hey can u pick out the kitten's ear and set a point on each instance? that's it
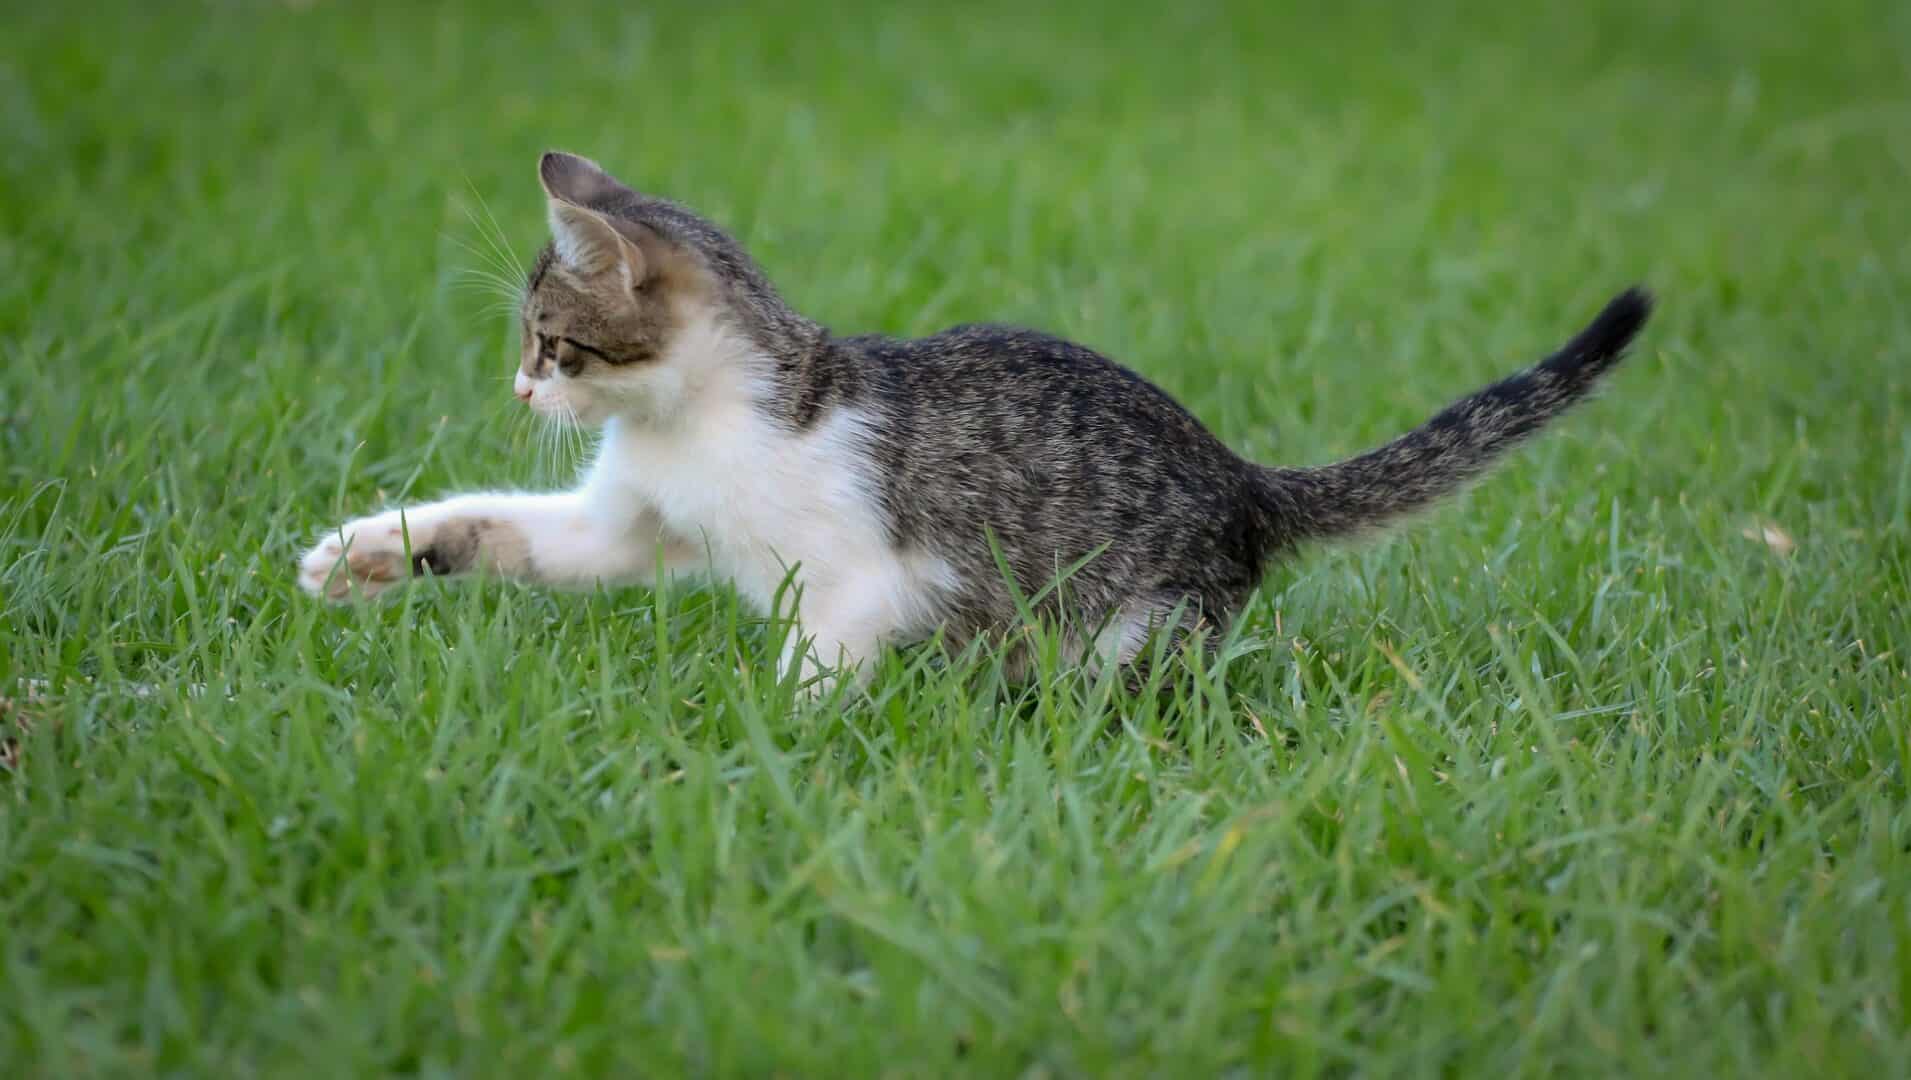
(589, 243)
(576, 180)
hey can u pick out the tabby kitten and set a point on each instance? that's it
(744, 440)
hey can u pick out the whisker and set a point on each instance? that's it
(498, 306)
(487, 266)
(490, 302)
(485, 281)
(489, 259)
(490, 269)
(501, 242)
(578, 440)
(541, 458)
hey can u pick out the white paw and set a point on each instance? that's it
(374, 558)
(816, 680)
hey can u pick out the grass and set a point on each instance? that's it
(1571, 778)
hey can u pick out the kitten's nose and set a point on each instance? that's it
(521, 386)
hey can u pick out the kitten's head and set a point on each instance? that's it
(628, 311)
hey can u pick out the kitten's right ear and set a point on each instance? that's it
(576, 180)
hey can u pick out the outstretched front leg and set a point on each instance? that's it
(564, 540)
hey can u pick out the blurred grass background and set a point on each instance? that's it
(1573, 777)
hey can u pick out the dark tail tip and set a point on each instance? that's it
(1601, 343)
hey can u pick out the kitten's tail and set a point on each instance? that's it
(1462, 442)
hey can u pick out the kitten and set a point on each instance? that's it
(744, 440)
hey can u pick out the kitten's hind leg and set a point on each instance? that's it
(1123, 638)
(1127, 640)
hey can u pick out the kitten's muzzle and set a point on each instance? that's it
(522, 387)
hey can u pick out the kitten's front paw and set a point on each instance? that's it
(374, 558)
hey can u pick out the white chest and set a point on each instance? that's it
(758, 499)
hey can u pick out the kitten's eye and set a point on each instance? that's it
(581, 347)
(566, 354)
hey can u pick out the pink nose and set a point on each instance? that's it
(521, 386)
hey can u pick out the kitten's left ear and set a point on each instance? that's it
(587, 242)
(590, 244)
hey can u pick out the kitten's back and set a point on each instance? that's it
(1058, 452)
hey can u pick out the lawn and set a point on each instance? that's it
(1601, 769)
